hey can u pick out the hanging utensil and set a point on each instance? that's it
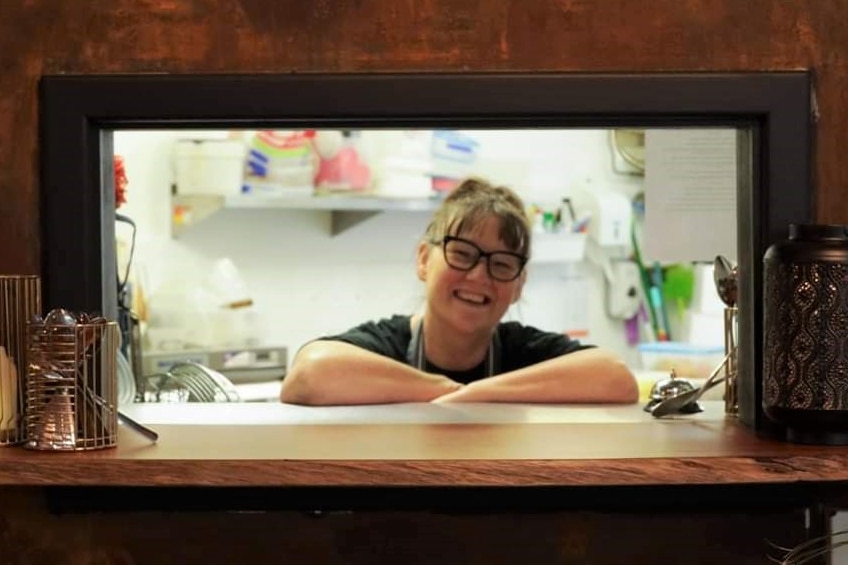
(726, 279)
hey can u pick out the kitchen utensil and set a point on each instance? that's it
(203, 383)
(138, 427)
(725, 275)
(52, 424)
(124, 419)
(60, 317)
(126, 380)
(673, 404)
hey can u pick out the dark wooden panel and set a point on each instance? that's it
(66, 36)
(30, 534)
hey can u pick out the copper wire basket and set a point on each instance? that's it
(20, 300)
(72, 384)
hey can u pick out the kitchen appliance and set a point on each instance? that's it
(255, 372)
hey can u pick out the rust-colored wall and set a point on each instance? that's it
(100, 36)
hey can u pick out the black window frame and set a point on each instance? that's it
(79, 112)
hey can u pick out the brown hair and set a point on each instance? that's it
(471, 203)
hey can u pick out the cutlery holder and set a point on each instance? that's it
(72, 386)
(20, 300)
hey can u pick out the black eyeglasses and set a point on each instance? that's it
(463, 255)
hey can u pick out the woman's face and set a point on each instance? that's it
(469, 301)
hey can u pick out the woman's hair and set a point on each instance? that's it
(471, 203)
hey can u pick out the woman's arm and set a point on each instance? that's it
(586, 376)
(333, 372)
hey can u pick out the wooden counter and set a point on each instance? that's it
(273, 445)
(418, 483)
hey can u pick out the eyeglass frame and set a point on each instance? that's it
(487, 255)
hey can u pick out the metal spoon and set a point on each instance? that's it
(674, 403)
(60, 317)
(100, 402)
(726, 280)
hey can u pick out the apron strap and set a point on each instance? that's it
(415, 351)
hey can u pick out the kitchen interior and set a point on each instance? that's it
(236, 247)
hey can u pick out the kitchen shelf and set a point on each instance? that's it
(347, 210)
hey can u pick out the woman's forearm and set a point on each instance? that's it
(333, 373)
(587, 376)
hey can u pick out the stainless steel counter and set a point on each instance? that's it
(411, 413)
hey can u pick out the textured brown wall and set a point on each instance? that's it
(177, 36)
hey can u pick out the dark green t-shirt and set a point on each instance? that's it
(521, 345)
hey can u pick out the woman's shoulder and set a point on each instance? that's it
(386, 336)
(397, 322)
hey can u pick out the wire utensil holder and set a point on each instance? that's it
(20, 300)
(72, 384)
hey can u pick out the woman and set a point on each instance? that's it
(471, 260)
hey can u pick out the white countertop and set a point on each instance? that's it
(264, 413)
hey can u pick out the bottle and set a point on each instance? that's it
(805, 334)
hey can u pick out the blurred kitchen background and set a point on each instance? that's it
(237, 247)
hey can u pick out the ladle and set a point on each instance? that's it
(673, 404)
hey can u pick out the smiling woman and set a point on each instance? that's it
(456, 349)
(770, 111)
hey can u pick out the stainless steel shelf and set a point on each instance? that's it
(347, 210)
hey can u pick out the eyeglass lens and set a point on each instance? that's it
(464, 255)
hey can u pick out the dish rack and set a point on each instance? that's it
(187, 381)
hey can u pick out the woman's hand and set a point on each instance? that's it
(454, 396)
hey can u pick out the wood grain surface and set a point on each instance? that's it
(708, 453)
(285, 36)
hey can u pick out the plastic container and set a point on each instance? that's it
(558, 247)
(208, 166)
(453, 156)
(279, 163)
(688, 360)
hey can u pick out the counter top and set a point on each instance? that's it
(428, 445)
(275, 413)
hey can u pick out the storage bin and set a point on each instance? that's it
(688, 360)
(209, 166)
(558, 248)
